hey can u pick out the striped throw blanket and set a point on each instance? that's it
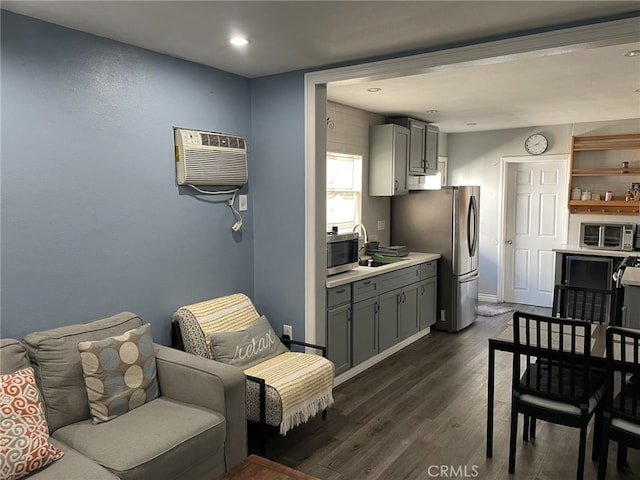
(304, 383)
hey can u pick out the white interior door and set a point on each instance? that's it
(536, 203)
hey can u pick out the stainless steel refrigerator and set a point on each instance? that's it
(446, 222)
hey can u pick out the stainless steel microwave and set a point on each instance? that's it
(607, 236)
(342, 252)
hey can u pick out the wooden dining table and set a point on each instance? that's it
(504, 342)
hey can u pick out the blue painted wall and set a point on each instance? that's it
(92, 222)
(279, 192)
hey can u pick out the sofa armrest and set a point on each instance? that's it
(209, 384)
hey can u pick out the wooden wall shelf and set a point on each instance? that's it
(603, 143)
(604, 172)
(606, 142)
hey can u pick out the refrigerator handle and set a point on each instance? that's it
(471, 278)
(472, 226)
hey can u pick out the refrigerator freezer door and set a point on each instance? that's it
(467, 301)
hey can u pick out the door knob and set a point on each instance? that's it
(509, 242)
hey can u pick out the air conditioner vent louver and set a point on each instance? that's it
(204, 158)
(217, 140)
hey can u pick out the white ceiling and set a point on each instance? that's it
(588, 85)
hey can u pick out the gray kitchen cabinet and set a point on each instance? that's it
(339, 327)
(388, 319)
(398, 317)
(409, 311)
(423, 146)
(428, 294)
(428, 299)
(398, 314)
(388, 156)
(368, 316)
(365, 330)
(364, 322)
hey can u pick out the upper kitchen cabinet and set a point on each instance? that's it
(388, 156)
(423, 146)
(605, 163)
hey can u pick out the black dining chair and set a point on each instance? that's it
(558, 384)
(621, 415)
(581, 303)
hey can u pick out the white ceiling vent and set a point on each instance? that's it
(207, 158)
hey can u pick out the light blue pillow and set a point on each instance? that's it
(246, 348)
(119, 373)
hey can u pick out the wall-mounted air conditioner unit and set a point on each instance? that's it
(207, 158)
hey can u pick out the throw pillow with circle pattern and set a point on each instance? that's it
(119, 373)
(24, 434)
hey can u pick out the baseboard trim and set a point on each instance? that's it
(352, 372)
(487, 298)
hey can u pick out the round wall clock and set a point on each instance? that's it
(536, 144)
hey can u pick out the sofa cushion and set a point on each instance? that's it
(24, 435)
(155, 440)
(246, 348)
(119, 373)
(13, 356)
(56, 362)
(72, 466)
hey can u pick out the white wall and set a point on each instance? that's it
(350, 135)
(474, 159)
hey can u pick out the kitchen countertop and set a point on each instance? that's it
(592, 251)
(631, 277)
(360, 272)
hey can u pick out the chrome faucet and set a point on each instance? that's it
(364, 230)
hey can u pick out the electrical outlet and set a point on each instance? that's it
(381, 225)
(242, 203)
(287, 331)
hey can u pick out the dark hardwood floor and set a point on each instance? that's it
(421, 414)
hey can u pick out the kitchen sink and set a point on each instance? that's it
(380, 261)
(374, 263)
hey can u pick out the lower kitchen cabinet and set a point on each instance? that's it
(428, 294)
(399, 315)
(428, 299)
(366, 317)
(409, 311)
(339, 327)
(388, 319)
(364, 324)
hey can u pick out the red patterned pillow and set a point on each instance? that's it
(24, 434)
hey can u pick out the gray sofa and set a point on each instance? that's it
(195, 429)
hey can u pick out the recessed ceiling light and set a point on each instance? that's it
(238, 41)
(374, 89)
(632, 53)
(433, 112)
(471, 124)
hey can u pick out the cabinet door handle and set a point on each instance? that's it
(395, 184)
(340, 291)
(398, 298)
(367, 282)
(422, 288)
(404, 297)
